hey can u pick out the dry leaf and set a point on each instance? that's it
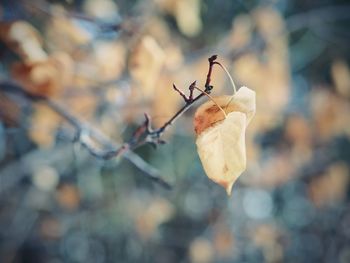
(165, 101)
(64, 34)
(23, 39)
(44, 78)
(44, 124)
(221, 139)
(341, 77)
(201, 250)
(102, 9)
(186, 13)
(222, 150)
(271, 78)
(109, 59)
(146, 63)
(209, 113)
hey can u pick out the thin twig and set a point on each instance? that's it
(153, 136)
(144, 133)
(85, 131)
(213, 100)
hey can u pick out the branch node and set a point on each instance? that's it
(212, 58)
(147, 123)
(209, 88)
(191, 88)
(89, 137)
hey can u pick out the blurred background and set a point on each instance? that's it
(107, 63)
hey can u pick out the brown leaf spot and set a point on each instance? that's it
(225, 169)
(212, 109)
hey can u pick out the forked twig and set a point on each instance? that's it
(143, 134)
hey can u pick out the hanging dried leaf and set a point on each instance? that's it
(209, 114)
(221, 139)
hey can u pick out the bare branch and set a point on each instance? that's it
(143, 134)
(153, 137)
(85, 133)
(180, 93)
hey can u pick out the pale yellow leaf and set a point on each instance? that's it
(221, 139)
(209, 113)
(221, 149)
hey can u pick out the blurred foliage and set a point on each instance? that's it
(109, 62)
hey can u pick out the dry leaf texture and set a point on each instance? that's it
(221, 139)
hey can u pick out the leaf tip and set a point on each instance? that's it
(229, 189)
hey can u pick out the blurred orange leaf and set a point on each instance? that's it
(146, 63)
(44, 78)
(23, 39)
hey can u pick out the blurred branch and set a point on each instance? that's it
(86, 134)
(317, 16)
(145, 134)
(85, 131)
(112, 27)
